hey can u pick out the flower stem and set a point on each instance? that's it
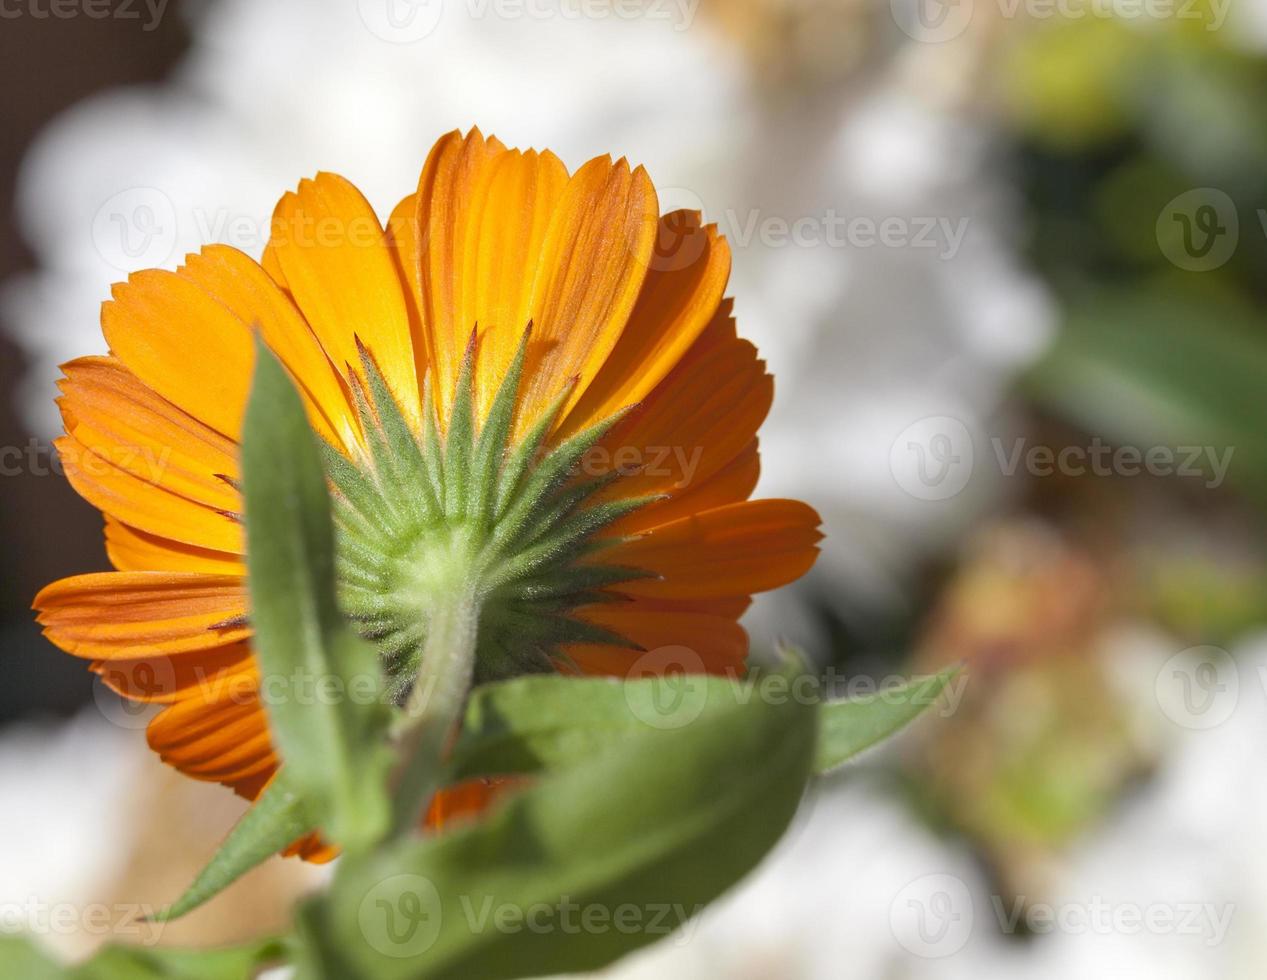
(435, 705)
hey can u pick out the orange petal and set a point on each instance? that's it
(467, 799)
(447, 198)
(132, 550)
(593, 263)
(679, 297)
(697, 421)
(111, 413)
(218, 735)
(182, 342)
(511, 217)
(140, 614)
(733, 483)
(402, 242)
(239, 283)
(163, 680)
(333, 254)
(146, 505)
(738, 549)
(719, 643)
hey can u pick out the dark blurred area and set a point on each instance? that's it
(46, 65)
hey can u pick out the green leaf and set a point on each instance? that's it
(21, 957)
(1165, 366)
(278, 818)
(320, 682)
(849, 727)
(643, 832)
(537, 723)
(540, 721)
(142, 963)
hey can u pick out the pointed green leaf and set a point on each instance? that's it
(459, 444)
(495, 436)
(656, 825)
(320, 683)
(173, 963)
(848, 727)
(22, 959)
(277, 819)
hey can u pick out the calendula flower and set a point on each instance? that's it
(529, 386)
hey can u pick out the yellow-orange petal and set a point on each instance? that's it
(339, 268)
(719, 643)
(146, 505)
(105, 615)
(738, 549)
(132, 550)
(217, 736)
(696, 422)
(242, 286)
(511, 216)
(593, 263)
(108, 411)
(679, 297)
(402, 243)
(182, 342)
(732, 483)
(445, 200)
(168, 678)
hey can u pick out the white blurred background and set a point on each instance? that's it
(959, 236)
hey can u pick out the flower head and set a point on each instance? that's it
(529, 387)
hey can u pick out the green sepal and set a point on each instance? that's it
(278, 818)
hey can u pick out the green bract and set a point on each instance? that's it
(425, 517)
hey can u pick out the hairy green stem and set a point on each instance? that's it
(435, 705)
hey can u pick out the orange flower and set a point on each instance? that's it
(628, 328)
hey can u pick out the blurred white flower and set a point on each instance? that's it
(272, 92)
